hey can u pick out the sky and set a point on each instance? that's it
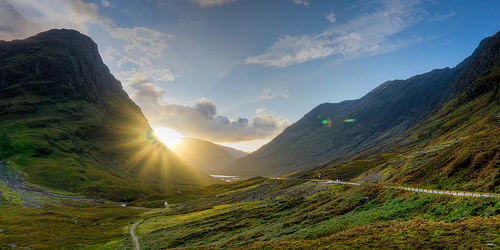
(240, 71)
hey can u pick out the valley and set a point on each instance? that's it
(413, 164)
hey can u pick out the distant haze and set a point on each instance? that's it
(206, 156)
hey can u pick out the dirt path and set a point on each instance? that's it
(137, 246)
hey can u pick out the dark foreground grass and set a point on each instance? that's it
(369, 214)
(74, 226)
(476, 233)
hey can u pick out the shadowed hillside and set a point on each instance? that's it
(368, 125)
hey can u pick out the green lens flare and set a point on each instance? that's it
(324, 121)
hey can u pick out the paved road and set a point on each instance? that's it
(134, 238)
(421, 190)
(455, 193)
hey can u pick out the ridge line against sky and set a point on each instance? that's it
(201, 66)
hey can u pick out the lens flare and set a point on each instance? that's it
(168, 136)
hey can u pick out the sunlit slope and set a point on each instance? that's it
(205, 155)
(66, 122)
(368, 125)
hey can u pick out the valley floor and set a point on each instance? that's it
(262, 213)
(295, 214)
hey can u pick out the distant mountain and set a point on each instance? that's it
(67, 124)
(206, 156)
(235, 152)
(342, 131)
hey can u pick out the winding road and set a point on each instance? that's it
(137, 246)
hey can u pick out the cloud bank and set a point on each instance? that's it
(371, 33)
(201, 120)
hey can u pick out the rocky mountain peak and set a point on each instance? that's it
(67, 59)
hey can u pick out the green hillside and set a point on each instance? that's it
(67, 124)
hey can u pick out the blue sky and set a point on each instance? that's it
(240, 71)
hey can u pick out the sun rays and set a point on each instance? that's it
(168, 136)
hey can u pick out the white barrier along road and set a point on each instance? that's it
(421, 190)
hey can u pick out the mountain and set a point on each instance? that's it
(206, 156)
(234, 152)
(375, 123)
(67, 124)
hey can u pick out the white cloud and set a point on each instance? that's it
(107, 4)
(144, 91)
(439, 18)
(272, 93)
(210, 3)
(142, 49)
(368, 34)
(13, 25)
(305, 3)
(75, 14)
(201, 119)
(331, 17)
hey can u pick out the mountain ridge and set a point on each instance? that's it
(367, 123)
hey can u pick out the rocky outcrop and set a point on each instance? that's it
(67, 59)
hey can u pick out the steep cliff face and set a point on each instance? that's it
(472, 70)
(69, 60)
(344, 130)
(72, 127)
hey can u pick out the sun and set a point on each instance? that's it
(168, 136)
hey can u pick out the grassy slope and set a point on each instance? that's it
(301, 214)
(73, 226)
(261, 214)
(458, 148)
